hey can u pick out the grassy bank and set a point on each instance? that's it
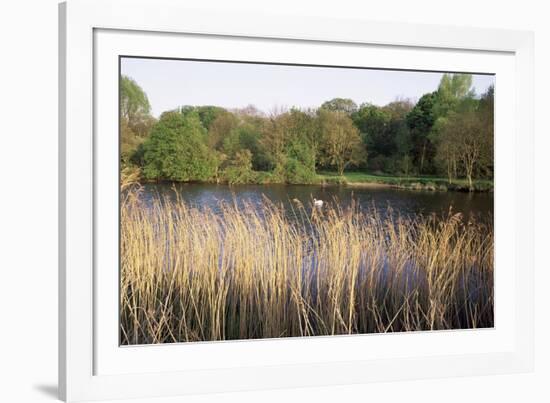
(192, 275)
(415, 183)
(429, 183)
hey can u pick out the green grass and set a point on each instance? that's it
(415, 182)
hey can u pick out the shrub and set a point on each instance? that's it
(177, 150)
(240, 168)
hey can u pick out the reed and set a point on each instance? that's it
(190, 274)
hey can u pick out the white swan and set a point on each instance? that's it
(317, 203)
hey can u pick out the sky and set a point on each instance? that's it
(173, 83)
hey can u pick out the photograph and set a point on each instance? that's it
(269, 200)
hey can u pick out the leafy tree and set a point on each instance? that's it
(220, 128)
(454, 102)
(303, 137)
(135, 118)
(453, 88)
(385, 133)
(454, 92)
(207, 113)
(299, 164)
(341, 142)
(420, 121)
(133, 100)
(176, 150)
(274, 140)
(447, 131)
(398, 111)
(373, 123)
(345, 105)
(466, 139)
(291, 142)
(486, 110)
(399, 108)
(239, 169)
(250, 132)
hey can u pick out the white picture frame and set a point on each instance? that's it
(94, 33)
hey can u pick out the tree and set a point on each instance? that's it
(176, 149)
(453, 88)
(133, 100)
(341, 143)
(299, 164)
(239, 169)
(274, 140)
(420, 121)
(291, 142)
(463, 130)
(486, 110)
(250, 137)
(385, 134)
(447, 154)
(220, 128)
(466, 141)
(373, 123)
(303, 137)
(398, 111)
(135, 118)
(345, 105)
(207, 113)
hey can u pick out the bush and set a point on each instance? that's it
(177, 150)
(240, 169)
(297, 173)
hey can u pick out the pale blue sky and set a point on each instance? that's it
(173, 83)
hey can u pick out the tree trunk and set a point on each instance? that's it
(469, 176)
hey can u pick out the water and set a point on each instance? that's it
(403, 202)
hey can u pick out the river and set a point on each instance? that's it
(403, 202)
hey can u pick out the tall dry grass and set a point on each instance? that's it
(190, 274)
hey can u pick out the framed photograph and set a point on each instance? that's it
(267, 202)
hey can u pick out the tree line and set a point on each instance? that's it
(448, 132)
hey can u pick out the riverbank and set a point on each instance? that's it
(428, 183)
(352, 179)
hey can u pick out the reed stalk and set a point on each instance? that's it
(190, 274)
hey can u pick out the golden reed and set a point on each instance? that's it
(247, 272)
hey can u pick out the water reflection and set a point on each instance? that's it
(397, 201)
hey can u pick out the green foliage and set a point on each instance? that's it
(341, 142)
(385, 134)
(345, 105)
(177, 150)
(373, 123)
(133, 100)
(135, 119)
(240, 168)
(129, 142)
(290, 141)
(299, 166)
(420, 121)
(207, 114)
(447, 133)
(452, 89)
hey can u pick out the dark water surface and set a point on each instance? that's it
(403, 202)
